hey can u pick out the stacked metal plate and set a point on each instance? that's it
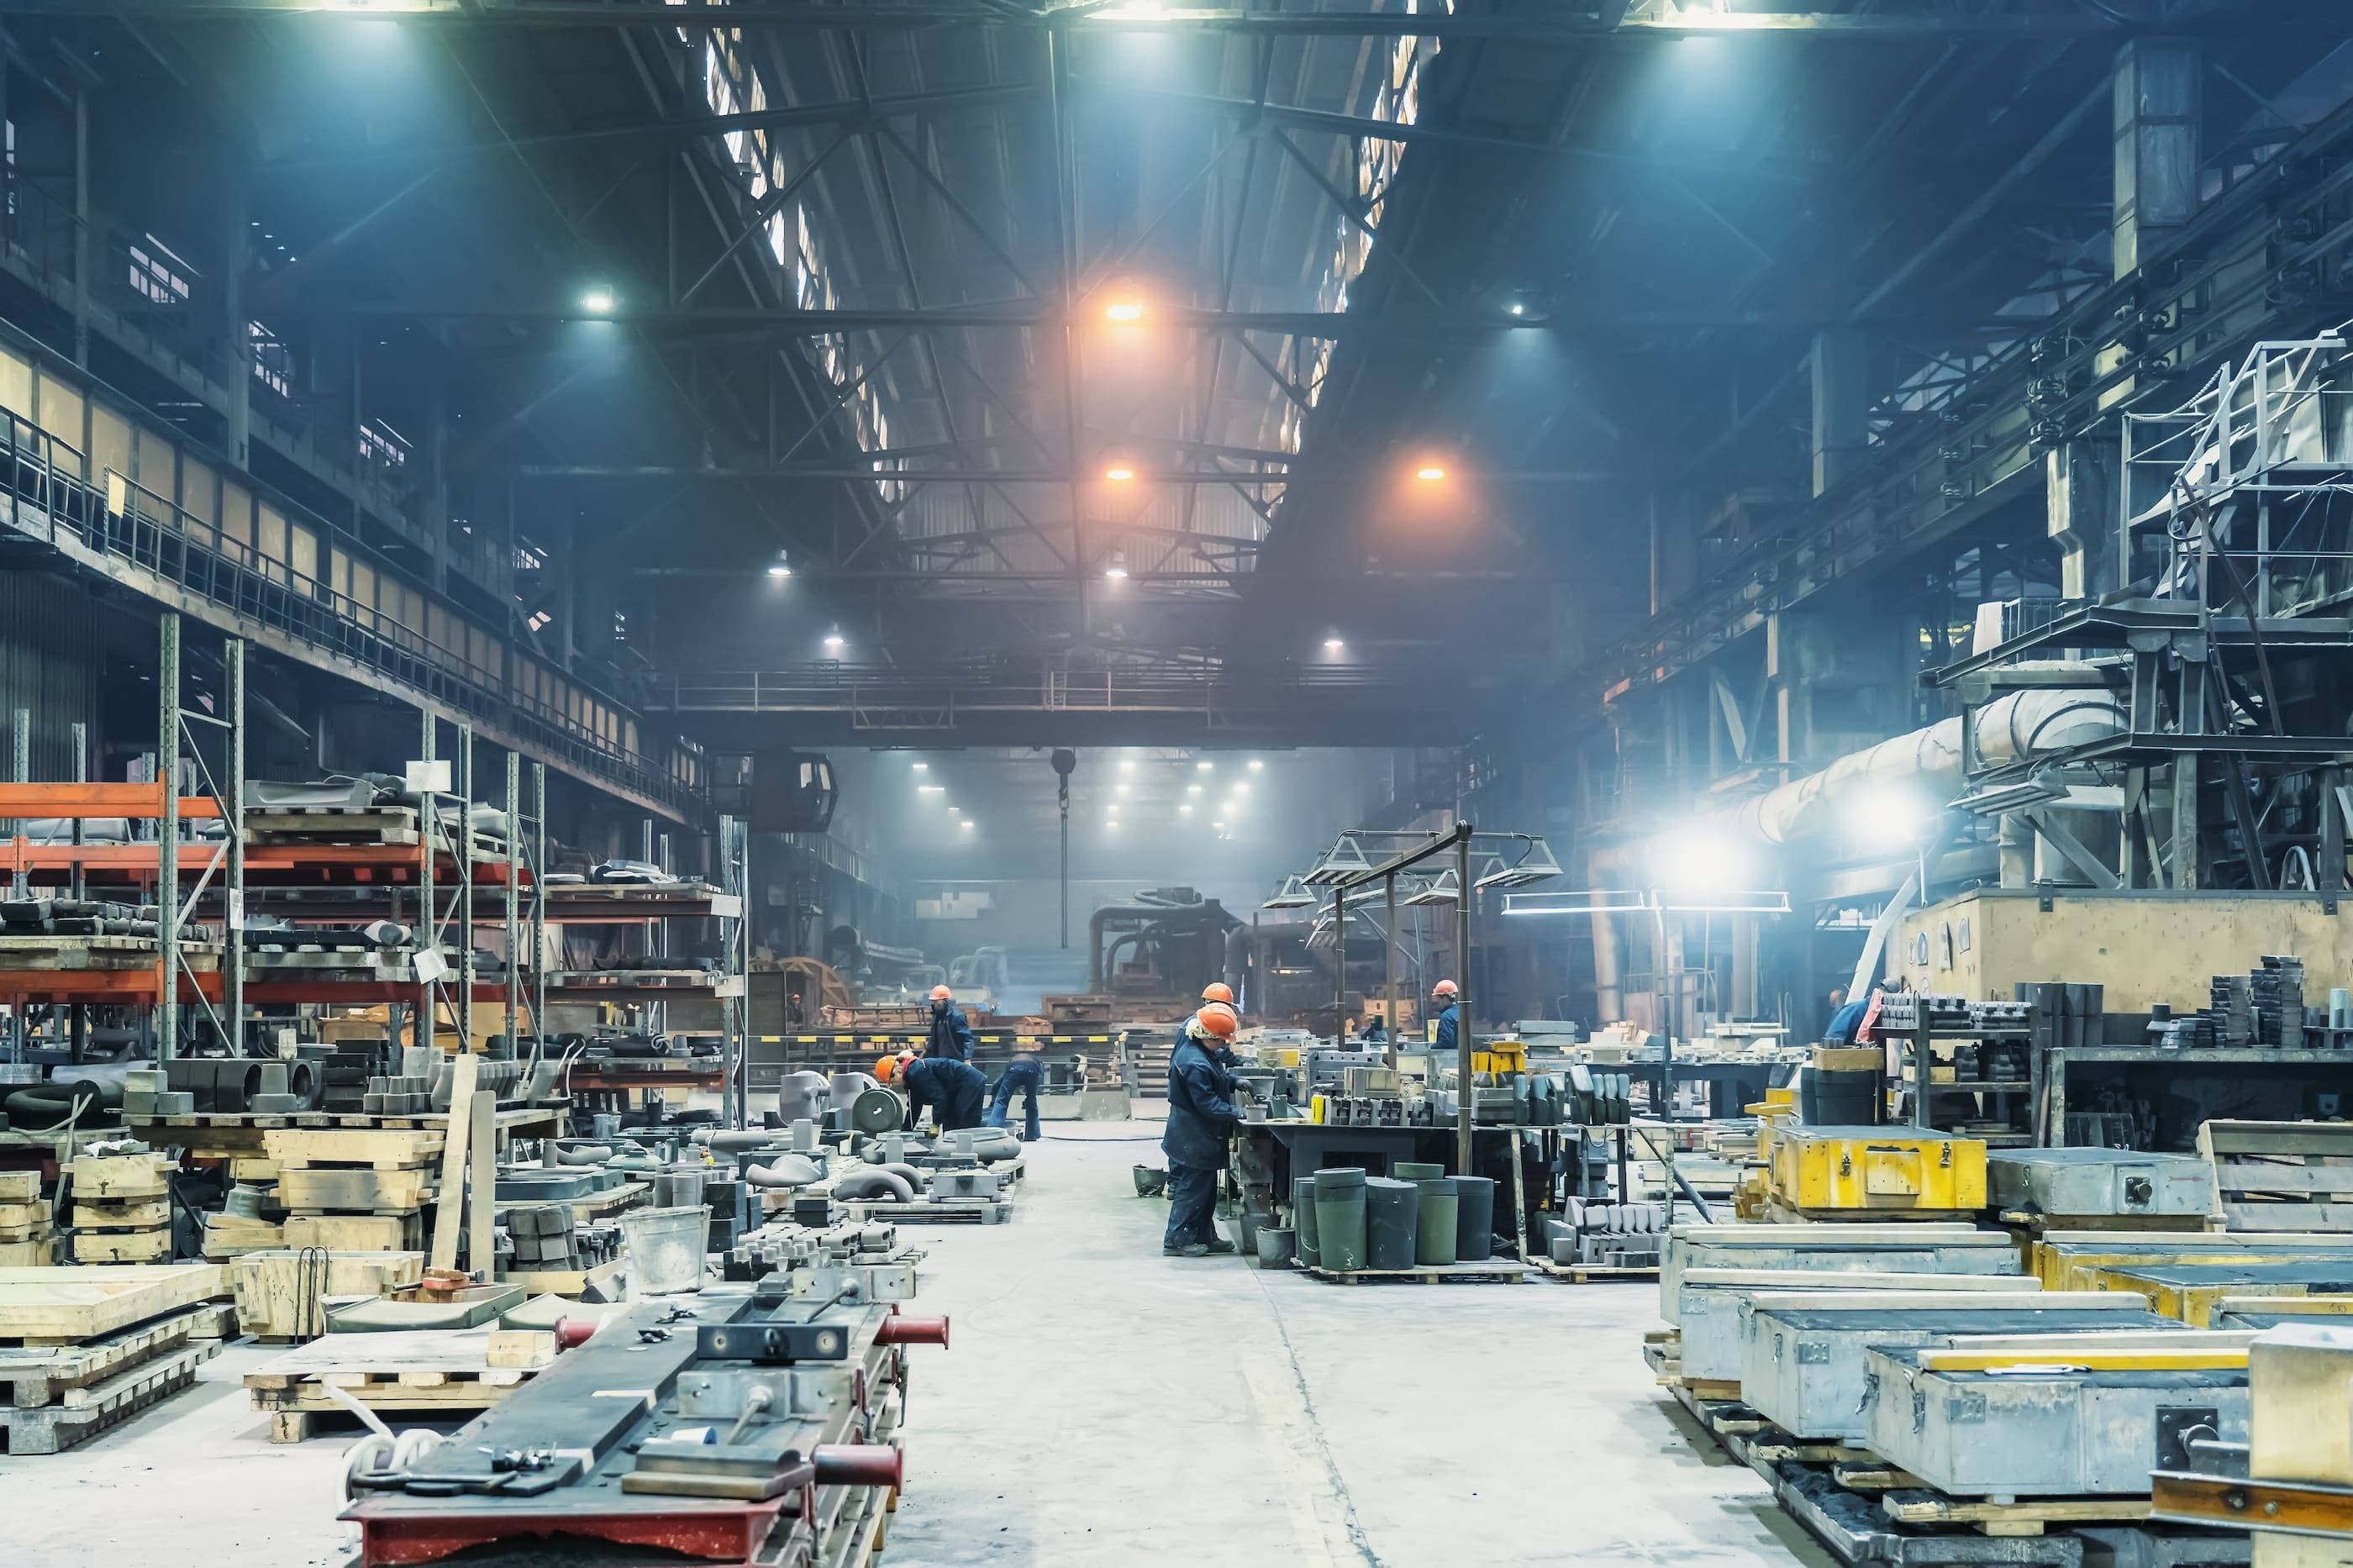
(2053, 1416)
(1877, 1248)
(1711, 1301)
(1804, 1353)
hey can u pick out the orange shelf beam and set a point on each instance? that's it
(142, 801)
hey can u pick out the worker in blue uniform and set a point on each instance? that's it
(952, 1038)
(954, 1091)
(1450, 1017)
(1025, 1073)
(1201, 1115)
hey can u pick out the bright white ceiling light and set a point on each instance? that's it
(1204, 765)
(922, 767)
(1184, 810)
(1334, 645)
(1192, 789)
(598, 302)
(833, 642)
(1257, 765)
(931, 789)
(1127, 764)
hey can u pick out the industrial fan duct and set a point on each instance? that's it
(2018, 728)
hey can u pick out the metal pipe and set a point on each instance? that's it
(860, 1464)
(1388, 969)
(429, 915)
(906, 1328)
(167, 843)
(233, 819)
(465, 851)
(1463, 994)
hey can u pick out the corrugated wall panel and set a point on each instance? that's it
(49, 664)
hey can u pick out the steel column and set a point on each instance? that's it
(232, 811)
(167, 838)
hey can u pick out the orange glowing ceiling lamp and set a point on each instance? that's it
(1126, 311)
(1119, 473)
(1430, 473)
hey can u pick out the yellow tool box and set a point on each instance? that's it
(2073, 1259)
(1829, 1172)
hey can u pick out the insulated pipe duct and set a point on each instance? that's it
(2016, 728)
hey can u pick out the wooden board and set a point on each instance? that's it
(20, 1187)
(2029, 1516)
(1593, 1273)
(52, 1428)
(35, 1375)
(281, 1295)
(70, 1305)
(449, 1215)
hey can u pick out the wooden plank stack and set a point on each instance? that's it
(27, 1228)
(121, 1207)
(83, 1348)
(355, 1189)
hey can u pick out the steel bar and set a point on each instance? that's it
(1031, 476)
(232, 806)
(167, 835)
(514, 904)
(1463, 992)
(465, 850)
(429, 915)
(539, 903)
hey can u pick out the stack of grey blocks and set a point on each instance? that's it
(398, 1096)
(544, 1235)
(1628, 1234)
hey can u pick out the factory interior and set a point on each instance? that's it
(1416, 781)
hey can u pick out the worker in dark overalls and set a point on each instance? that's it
(1025, 1073)
(953, 1090)
(1201, 1115)
(952, 1038)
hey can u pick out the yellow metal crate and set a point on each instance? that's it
(1835, 1170)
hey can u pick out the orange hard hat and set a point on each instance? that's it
(1217, 991)
(942, 994)
(1445, 988)
(1219, 1020)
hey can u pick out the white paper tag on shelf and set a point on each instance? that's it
(236, 910)
(430, 966)
(421, 776)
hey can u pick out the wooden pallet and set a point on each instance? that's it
(948, 1210)
(123, 1246)
(132, 1213)
(1593, 1273)
(38, 1375)
(431, 1372)
(59, 954)
(326, 1189)
(2280, 1175)
(379, 825)
(55, 1428)
(1502, 1271)
(67, 1305)
(398, 1232)
(2027, 1516)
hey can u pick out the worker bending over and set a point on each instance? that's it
(1023, 1072)
(1450, 1019)
(952, 1088)
(952, 1038)
(1200, 1115)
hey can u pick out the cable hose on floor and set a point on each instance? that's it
(384, 1458)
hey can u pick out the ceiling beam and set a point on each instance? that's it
(852, 115)
(1040, 475)
(1662, 20)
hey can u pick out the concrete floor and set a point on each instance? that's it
(1103, 1405)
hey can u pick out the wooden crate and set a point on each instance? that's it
(123, 1246)
(135, 1214)
(377, 1148)
(341, 1190)
(20, 1187)
(282, 1294)
(115, 1178)
(403, 1232)
(2280, 1175)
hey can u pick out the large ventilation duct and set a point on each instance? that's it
(2017, 728)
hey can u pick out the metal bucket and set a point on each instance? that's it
(1275, 1245)
(665, 1248)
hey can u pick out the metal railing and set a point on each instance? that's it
(44, 497)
